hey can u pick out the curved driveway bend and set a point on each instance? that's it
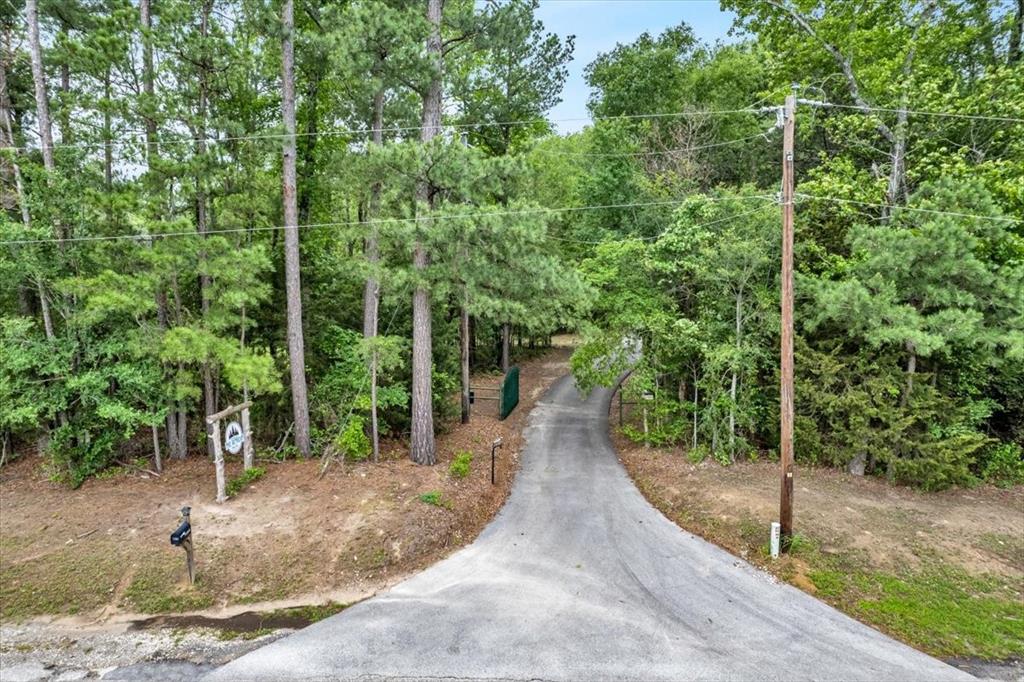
(579, 578)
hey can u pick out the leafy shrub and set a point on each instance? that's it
(352, 442)
(1004, 465)
(459, 468)
(235, 485)
(435, 499)
(698, 454)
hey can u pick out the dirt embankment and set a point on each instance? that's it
(102, 551)
(944, 572)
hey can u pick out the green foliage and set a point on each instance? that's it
(944, 612)
(1004, 465)
(459, 468)
(239, 483)
(352, 442)
(435, 499)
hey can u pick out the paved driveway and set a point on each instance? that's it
(579, 578)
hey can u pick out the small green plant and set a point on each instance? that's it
(459, 468)
(435, 499)
(1005, 465)
(352, 442)
(698, 454)
(235, 485)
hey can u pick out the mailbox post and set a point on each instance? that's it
(182, 537)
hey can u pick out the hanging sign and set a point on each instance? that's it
(233, 438)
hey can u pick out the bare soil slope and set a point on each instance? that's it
(291, 537)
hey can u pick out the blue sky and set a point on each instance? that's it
(599, 24)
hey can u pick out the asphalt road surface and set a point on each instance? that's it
(579, 578)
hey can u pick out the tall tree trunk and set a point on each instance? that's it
(293, 284)
(42, 103)
(174, 449)
(66, 134)
(735, 379)
(696, 404)
(202, 223)
(423, 449)
(911, 370)
(108, 149)
(464, 359)
(371, 292)
(506, 335)
(7, 140)
(46, 142)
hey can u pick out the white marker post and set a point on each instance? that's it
(776, 535)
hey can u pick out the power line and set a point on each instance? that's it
(394, 129)
(355, 223)
(909, 208)
(664, 232)
(942, 114)
(556, 152)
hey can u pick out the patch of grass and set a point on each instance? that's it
(67, 581)
(158, 588)
(459, 468)
(435, 498)
(945, 612)
(235, 485)
(246, 635)
(313, 612)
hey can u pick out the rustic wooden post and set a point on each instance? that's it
(247, 443)
(218, 460)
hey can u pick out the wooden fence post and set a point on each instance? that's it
(218, 461)
(247, 443)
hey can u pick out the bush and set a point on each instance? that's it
(1004, 465)
(435, 499)
(236, 484)
(353, 442)
(459, 468)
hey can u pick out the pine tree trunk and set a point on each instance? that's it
(735, 379)
(696, 404)
(371, 292)
(293, 284)
(7, 140)
(506, 333)
(911, 370)
(202, 224)
(108, 149)
(464, 361)
(423, 450)
(42, 103)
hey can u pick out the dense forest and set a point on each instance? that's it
(338, 208)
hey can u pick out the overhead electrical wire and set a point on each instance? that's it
(913, 112)
(908, 208)
(135, 236)
(726, 143)
(391, 129)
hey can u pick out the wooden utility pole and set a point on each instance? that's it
(786, 373)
